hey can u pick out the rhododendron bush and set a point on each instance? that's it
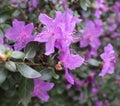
(59, 52)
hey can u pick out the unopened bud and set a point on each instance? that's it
(58, 66)
(3, 57)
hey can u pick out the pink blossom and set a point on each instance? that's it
(109, 60)
(20, 33)
(91, 35)
(70, 61)
(41, 88)
(57, 30)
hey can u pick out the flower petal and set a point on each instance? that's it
(68, 77)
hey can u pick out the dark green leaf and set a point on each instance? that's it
(2, 49)
(46, 74)
(56, 76)
(85, 4)
(27, 71)
(16, 13)
(94, 62)
(3, 18)
(3, 75)
(26, 89)
(30, 50)
(10, 66)
(18, 55)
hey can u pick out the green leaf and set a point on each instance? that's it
(16, 13)
(30, 50)
(46, 74)
(3, 49)
(3, 18)
(18, 55)
(27, 71)
(86, 13)
(94, 62)
(9, 53)
(26, 89)
(85, 4)
(88, 3)
(10, 66)
(3, 75)
(5, 27)
(1, 32)
(56, 76)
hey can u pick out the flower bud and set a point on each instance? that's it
(58, 66)
(3, 57)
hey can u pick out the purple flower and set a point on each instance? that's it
(34, 3)
(91, 35)
(64, 4)
(70, 61)
(69, 77)
(100, 8)
(116, 9)
(95, 90)
(41, 88)
(58, 33)
(20, 33)
(77, 83)
(109, 60)
(115, 35)
(100, 4)
(98, 13)
(57, 30)
(50, 34)
(98, 103)
(91, 79)
(112, 25)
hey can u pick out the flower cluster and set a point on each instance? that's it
(58, 33)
